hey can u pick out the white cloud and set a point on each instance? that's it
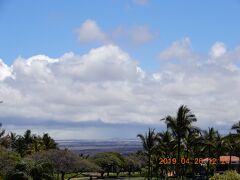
(5, 71)
(141, 34)
(179, 50)
(107, 84)
(219, 56)
(217, 50)
(136, 35)
(89, 32)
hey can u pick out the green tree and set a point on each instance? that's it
(109, 162)
(230, 144)
(48, 142)
(149, 143)
(166, 148)
(180, 126)
(210, 138)
(41, 171)
(8, 161)
(20, 146)
(236, 127)
(2, 131)
(132, 163)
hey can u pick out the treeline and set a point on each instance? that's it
(34, 157)
(184, 141)
(26, 144)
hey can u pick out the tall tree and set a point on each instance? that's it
(149, 142)
(48, 142)
(2, 131)
(230, 143)
(180, 126)
(166, 148)
(236, 127)
(210, 138)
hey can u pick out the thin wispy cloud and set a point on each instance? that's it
(91, 32)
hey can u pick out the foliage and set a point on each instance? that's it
(8, 161)
(228, 175)
(109, 162)
(149, 145)
(30, 143)
(64, 161)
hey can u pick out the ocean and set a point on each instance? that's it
(91, 147)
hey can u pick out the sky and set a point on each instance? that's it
(112, 69)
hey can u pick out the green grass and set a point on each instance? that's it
(228, 175)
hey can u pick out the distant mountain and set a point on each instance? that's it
(90, 147)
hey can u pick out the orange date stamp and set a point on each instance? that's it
(198, 161)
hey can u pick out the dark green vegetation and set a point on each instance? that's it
(228, 175)
(182, 140)
(34, 157)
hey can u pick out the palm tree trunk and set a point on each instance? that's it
(149, 166)
(208, 163)
(62, 175)
(230, 161)
(193, 165)
(178, 155)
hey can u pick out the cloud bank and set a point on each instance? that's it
(106, 84)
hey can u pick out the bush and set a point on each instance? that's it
(8, 161)
(228, 175)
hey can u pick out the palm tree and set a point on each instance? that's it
(180, 126)
(166, 143)
(28, 138)
(191, 144)
(48, 142)
(20, 146)
(236, 127)
(166, 148)
(237, 138)
(210, 137)
(149, 142)
(37, 144)
(230, 141)
(220, 146)
(2, 131)
(2, 138)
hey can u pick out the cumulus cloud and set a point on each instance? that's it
(5, 71)
(89, 32)
(219, 56)
(107, 84)
(218, 49)
(180, 50)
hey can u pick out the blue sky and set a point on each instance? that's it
(132, 61)
(47, 27)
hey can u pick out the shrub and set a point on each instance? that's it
(228, 175)
(8, 161)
